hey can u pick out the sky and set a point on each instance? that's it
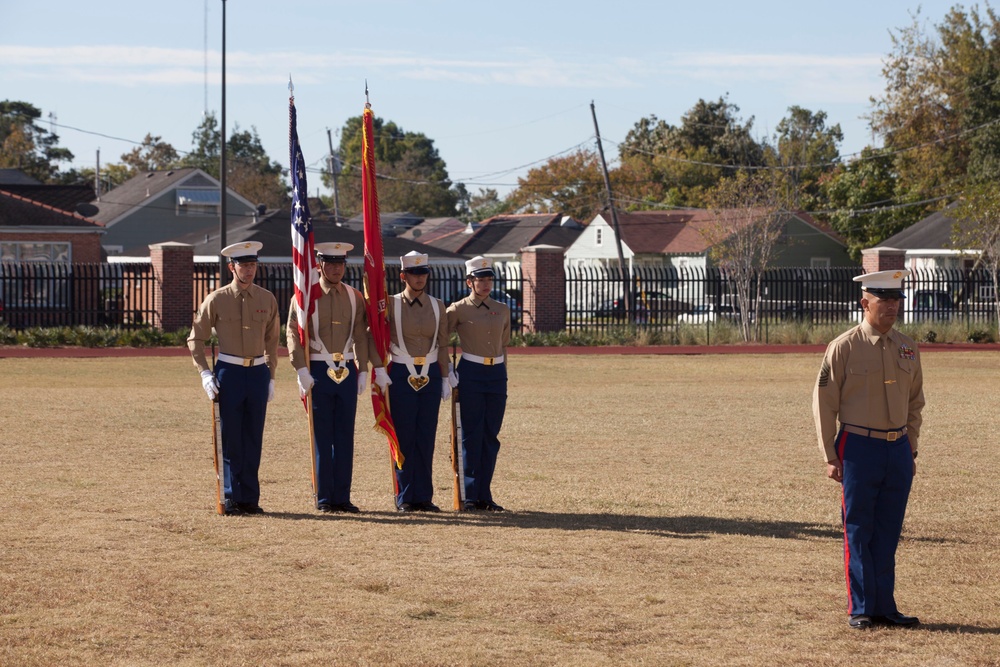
(500, 87)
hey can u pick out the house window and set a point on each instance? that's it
(819, 262)
(12, 251)
(598, 236)
(201, 202)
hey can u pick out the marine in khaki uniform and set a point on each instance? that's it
(867, 406)
(483, 326)
(336, 374)
(418, 380)
(245, 318)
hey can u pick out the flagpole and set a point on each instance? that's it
(305, 260)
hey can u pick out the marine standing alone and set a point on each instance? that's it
(245, 318)
(867, 406)
(483, 326)
(339, 346)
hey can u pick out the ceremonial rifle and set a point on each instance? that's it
(220, 507)
(457, 462)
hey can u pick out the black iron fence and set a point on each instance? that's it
(43, 294)
(666, 296)
(446, 282)
(38, 294)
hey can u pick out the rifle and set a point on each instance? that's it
(220, 484)
(457, 461)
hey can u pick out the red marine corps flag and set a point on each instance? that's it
(375, 290)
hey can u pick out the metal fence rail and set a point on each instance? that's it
(44, 294)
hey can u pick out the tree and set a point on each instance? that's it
(868, 200)
(571, 184)
(682, 163)
(939, 108)
(27, 146)
(977, 226)
(806, 149)
(475, 207)
(250, 171)
(749, 223)
(411, 174)
(152, 155)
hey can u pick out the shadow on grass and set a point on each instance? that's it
(687, 527)
(957, 628)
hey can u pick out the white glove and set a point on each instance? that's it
(270, 391)
(362, 382)
(382, 379)
(210, 384)
(305, 381)
(453, 379)
(446, 388)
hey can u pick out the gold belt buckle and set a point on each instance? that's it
(488, 361)
(419, 361)
(247, 362)
(337, 356)
(891, 436)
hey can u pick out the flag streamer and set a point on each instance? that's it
(376, 297)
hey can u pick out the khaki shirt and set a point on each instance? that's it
(483, 326)
(869, 380)
(333, 309)
(419, 331)
(246, 322)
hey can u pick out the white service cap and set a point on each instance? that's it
(243, 251)
(884, 284)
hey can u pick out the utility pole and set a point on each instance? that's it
(626, 277)
(222, 173)
(334, 166)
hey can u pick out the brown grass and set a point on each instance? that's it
(667, 511)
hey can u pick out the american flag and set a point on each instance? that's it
(306, 277)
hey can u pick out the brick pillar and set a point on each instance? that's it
(883, 259)
(544, 288)
(173, 272)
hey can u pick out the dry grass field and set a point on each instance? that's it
(667, 510)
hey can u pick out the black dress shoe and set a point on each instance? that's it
(250, 508)
(347, 507)
(470, 506)
(491, 506)
(406, 507)
(860, 622)
(325, 507)
(428, 507)
(897, 620)
(232, 509)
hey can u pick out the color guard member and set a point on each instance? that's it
(337, 374)
(867, 406)
(483, 326)
(245, 318)
(417, 379)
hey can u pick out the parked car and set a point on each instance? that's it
(648, 307)
(924, 305)
(709, 312)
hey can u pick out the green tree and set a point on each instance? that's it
(683, 163)
(153, 154)
(806, 149)
(570, 184)
(26, 145)
(250, 171)
(411, 174)
(868, 201)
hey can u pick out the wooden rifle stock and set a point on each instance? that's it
(220, 484)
